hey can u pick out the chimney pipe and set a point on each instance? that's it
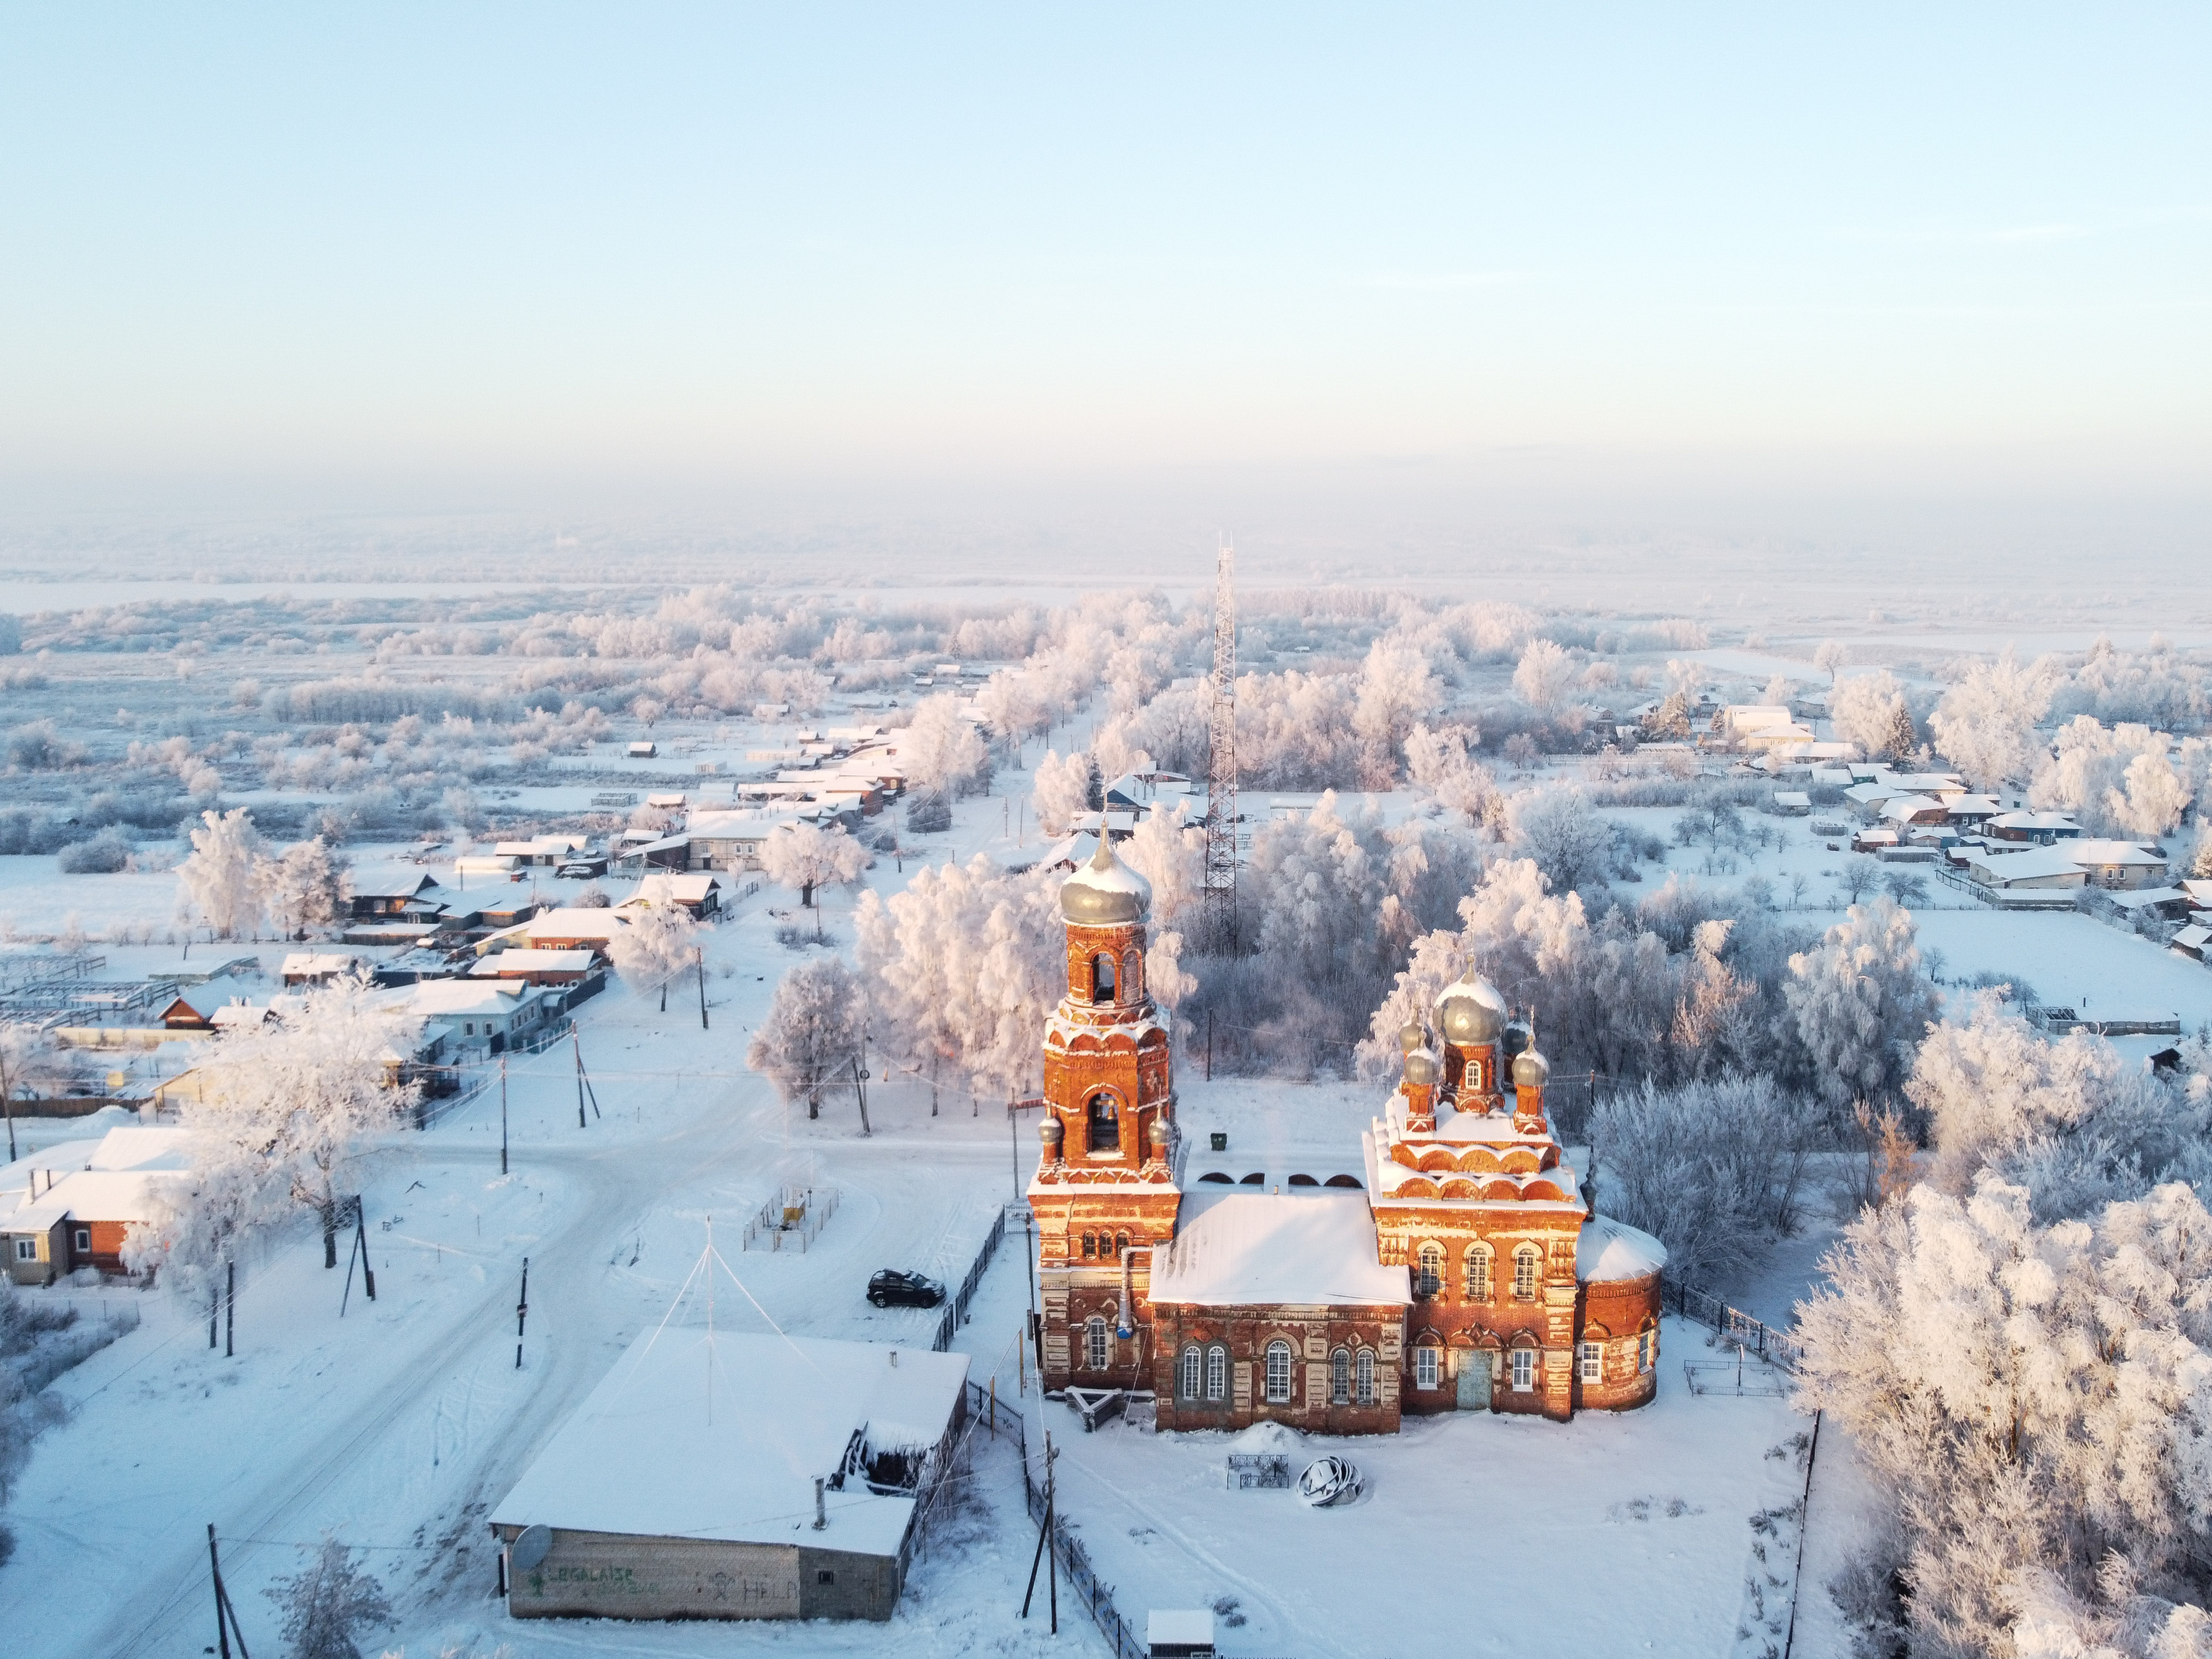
(821, 1513)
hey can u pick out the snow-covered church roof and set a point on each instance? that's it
(1267, 1249)
(1607, 1251)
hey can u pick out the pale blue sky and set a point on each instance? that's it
(484, 247)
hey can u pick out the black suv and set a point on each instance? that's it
(892, 1289)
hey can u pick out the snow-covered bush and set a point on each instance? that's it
(103, 855)
(1438, 760)
(940, 751)
(811, 1041)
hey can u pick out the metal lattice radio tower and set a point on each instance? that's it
(1221, 762)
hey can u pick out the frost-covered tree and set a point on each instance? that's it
(1437, 762)
(660, 941)
(327, 1605)
(1671, 719)
(1869, 710)
(811, 1041)
(1062, 791)
(2118, 782)
(806, 857)
(1985, 723)
(1397, 689)
(2037, 1400)
(1714, 1170)
(1555, 828)
(1170, 851)
(1546, 677)
(2065, 1116)
(1829, 656)
(940, 751)
(962, 967)
(1859, 1005)
(304, 888)
(218, 879)
(280, 1115)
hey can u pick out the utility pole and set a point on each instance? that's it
(1220, 879)
(229, 1307)
(502, 1114)
(521, 1312)
(699, 952)
(226, 1613)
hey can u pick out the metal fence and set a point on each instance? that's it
(956, 1306)
(791, 1219)
(1735, 1325)
(1082, 1580)
(429, 1109)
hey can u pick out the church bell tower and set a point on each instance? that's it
(1104, 1193)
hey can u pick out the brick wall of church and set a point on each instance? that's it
(1314, 1334)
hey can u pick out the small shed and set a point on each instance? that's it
(2191, 942)
(1179, 1633)
(1792, 803)
(644, 751)
(735, 1476)
(538, 967)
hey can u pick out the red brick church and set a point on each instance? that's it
(1471, 1273)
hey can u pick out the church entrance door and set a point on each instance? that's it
(1473, 1380)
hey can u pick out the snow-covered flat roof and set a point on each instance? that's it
(2037, 864)
(1239, 1250)
(723, 1438)
(2142, 898)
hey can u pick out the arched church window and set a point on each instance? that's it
(1105, 1124)
(1339, 1377)
(1094, 1344)
(1101, 978)
(1279, 1373)
(1217, 1373)
(1089, 1245)
(1524, 1369)
(1363, 1378)
(1132, 975)
(1190, 1368)
(1477, 1272)
(1527, 1262)
(1429, 1270)
(1647, 1346)
(1121, 1245)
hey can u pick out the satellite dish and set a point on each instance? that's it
(531, 1545)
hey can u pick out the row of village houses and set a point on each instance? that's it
(70, 1206)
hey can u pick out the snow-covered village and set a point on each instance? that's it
(1238, 835)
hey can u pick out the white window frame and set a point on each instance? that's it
(1528, 1272)
(1192, 1372)
(1339, 1377)
(1279, 1376)
(1523, 1369)
(1590, 1363)
(1363, 1378)
(1478, 1283)
(1647, 1346)
(81, 1238)
(1427, 1368)
(1094, 1344)
(1217, 1374)
(27, 1249)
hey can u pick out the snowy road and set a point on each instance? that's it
(399, 1428)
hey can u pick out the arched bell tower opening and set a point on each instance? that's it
(1105, 1193)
